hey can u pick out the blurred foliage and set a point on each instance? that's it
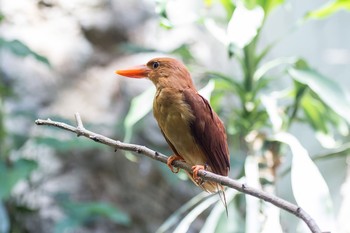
(329, 8)
(66, 145)
(259, 122)
(14, 169)
(21, 50)
(10, 175)
(182, 51)
(78, 214)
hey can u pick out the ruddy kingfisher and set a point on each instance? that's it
(190, 126)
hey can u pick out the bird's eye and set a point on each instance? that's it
(155, 65)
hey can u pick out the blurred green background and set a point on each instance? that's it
(277, 72)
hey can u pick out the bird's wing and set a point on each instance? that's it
(209, 132)
(169, 143)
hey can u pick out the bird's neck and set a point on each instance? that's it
(175, 84)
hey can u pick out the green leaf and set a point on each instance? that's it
(315, 113)
(135, 48)
(11, 174)
(229, 7)
(328, 9)
(2, 17)
(184, 52)
(22, 50)
(310, 190)
(267, 5)
(161, 11)
(332, 94)
(267, 66)
(66, 224)
(80, 213)
(225, 82)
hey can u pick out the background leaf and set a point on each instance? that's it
(62, 145)
(22, 50)
(139, 107)
(185, 223)
(80, 213)
(10, 174)
(177, 215)
(315, 113)
(218, 221)
(4, 219)
(309, 187)
(244, 25)
(328, 9)
(327, 90)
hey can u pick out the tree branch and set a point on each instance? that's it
(205, 175)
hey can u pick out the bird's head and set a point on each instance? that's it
(163, 72)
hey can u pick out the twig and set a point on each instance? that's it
(205, 175)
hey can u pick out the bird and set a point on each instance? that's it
(191, 128)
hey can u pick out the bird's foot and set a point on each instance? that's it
(195, 170)
(171, 159)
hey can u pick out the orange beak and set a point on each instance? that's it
(135, 72)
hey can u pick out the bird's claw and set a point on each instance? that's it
(195, 170)
(170, 160)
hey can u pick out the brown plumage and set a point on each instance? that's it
(190, 126)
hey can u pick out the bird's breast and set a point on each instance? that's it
(174, 116)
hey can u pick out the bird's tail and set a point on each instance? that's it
(221, 192)
(212, 187)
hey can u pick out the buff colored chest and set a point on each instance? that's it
(173, 116)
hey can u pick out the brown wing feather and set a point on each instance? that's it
(209, 132)
(169, 143)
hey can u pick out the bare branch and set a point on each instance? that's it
(205, 175)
